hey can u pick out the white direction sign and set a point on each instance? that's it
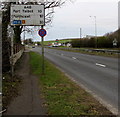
(27, 15)
(115, 42)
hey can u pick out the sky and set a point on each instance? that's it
(71, 17)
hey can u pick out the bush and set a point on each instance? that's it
(100, 42)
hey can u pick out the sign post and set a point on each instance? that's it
(29, 15)
(42, 33)
(12, 49)
(115, 42)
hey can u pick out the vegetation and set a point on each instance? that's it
(10, 89)
(5, 8)
(64, 97)
(11, 85)
(84, 51)
(99, 42)
(28, 41)
(59, 41)
(5, 41)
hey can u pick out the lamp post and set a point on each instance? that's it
(95, 30)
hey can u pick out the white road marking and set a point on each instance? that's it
(2, 111)
(98, 64)
(74, 58)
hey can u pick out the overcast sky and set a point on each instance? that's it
(71, 17)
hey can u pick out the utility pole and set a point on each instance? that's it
(95, 31)
(80, 33)
(95, 27)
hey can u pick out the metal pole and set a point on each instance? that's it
(95, 31)
(12, 44)
(42, 53)
(24, 36)
(95, 27)
(80, 33)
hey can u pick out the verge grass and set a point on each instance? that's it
(113, 55)
(10, 89)
(63, 96)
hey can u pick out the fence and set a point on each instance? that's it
(18, 50)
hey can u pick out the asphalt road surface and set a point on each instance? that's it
(98, 75)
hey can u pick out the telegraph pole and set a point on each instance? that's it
(80, 33)
(95, 31)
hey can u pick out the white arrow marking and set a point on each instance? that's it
(100, 65)
(74, 58)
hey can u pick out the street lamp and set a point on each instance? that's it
(95, 29)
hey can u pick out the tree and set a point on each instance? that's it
(5, 40)
(28, 41)
(5, 7)
(49, 7)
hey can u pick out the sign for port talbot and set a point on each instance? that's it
(27, 15)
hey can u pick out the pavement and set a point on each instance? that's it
(30, 100)
(96, 74)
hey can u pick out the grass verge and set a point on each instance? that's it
(11, 86)
(10, 89)
(91, 53)
(64, 97)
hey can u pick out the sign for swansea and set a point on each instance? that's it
(27, 15)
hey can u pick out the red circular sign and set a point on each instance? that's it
(42, 32)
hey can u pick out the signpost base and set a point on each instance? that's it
(42, 33)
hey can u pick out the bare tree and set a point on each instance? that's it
(50, 5)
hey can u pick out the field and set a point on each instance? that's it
(59, 41)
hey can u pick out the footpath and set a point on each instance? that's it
(30, 101)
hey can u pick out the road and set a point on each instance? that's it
(98, 75)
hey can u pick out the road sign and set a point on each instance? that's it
(115, 42)
(27, 15)
(42, 32)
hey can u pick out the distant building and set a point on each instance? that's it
(36, 44)
(69, 45)
(89, 36)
